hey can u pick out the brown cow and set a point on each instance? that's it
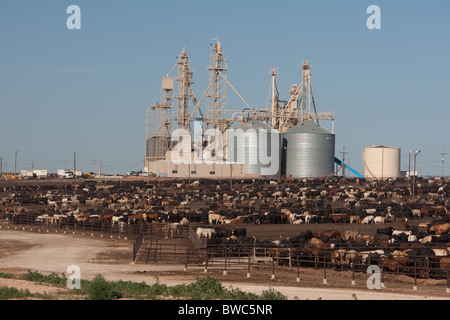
(152, 217)
(106, 217)
(318, 243)
(338, 218)
(402, 260)
(445, 263)
(237, 220)
(332, 234)
(339, 256)
(391, 264)
(440, 229)
(440, 211)
(355, 219)
(426, 211)
(350, 235)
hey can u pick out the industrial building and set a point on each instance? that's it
(286, 140)
(33, 173)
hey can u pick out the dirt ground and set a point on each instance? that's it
(21, 251)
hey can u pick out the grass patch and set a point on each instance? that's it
(204, 288)
(52, 279)
(7, 293)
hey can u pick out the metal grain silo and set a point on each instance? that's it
(381, 162)
(257, 146)
(309, 150)
(156, 148)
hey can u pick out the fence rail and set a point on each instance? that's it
(128, 231)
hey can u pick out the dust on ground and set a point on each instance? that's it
(21, 251)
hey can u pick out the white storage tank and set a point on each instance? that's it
(381, 162)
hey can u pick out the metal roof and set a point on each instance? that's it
(256, 125)
(309, 126)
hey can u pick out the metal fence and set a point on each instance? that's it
(301, 260)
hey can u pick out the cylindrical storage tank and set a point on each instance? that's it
(309, 150)
(167, 84)
(381, 162)
(157, 147)
(257, 146)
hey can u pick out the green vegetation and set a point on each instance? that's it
(205, 288)
(13, 293)
(52, 279)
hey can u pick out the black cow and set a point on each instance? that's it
(388, 231)
(240, 233)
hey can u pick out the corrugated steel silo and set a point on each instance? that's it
(257, 145)
(156, 147)
(309, 150)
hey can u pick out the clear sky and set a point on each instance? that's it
(87, 90)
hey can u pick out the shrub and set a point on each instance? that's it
(13, 293)
(101, 289)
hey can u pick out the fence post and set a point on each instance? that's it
(324, 271)
(298, 270)
(448, 279)
(273, 268)
(415, 276)
(206, 262)
(225, 255)
(248, 270)
(353, 272)
(383, 285)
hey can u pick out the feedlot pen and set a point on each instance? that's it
(302, 263)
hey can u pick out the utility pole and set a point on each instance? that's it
(231, 175)
(99, 166)
(409, 166)
(93, 164)
(343, 152)
(415, 153)
(15, 162)
(1, 165)
(443, 159)
(74, 164)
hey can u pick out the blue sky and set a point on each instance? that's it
(87, 90)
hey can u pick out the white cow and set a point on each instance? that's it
(368, 220)
(205, 232)
(215, 218)
(378, 220)
(416, 213)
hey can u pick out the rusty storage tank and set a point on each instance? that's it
(309, 150)
(257, 146)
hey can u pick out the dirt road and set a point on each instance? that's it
(53, 253)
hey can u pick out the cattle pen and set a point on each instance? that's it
(257, 239)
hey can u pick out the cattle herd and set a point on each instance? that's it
(407, 232)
